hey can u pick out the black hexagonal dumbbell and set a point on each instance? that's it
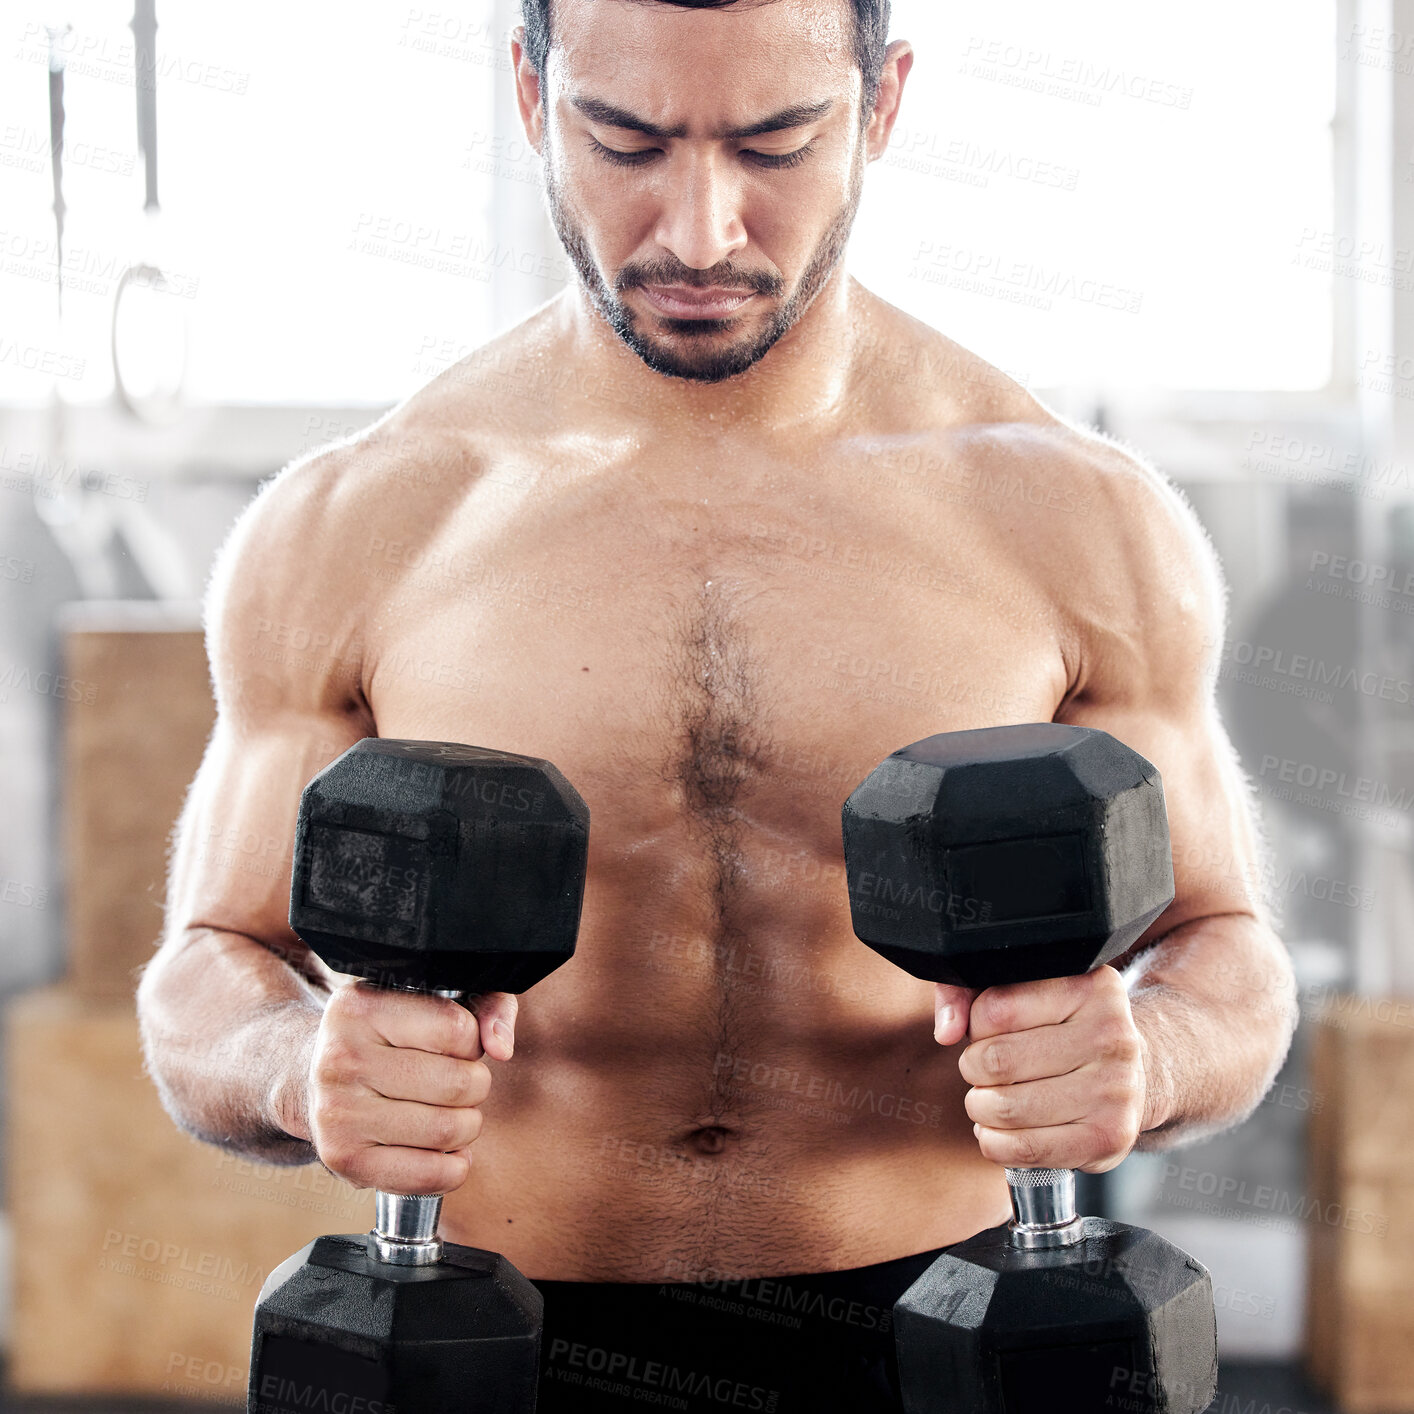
(453, 870)
(1013, 854)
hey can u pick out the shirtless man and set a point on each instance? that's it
(714, 531)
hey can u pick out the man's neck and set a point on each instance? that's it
(802, 381)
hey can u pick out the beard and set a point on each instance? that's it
(693, 348)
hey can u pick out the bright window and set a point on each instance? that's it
(323, 184)
(1094, 193)
(1112, 194)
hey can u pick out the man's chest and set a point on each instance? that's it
(736, 656)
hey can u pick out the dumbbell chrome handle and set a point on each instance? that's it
(406, 1230)
(1043, 1208)
(405, 1224)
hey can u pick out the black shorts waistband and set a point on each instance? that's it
(814, 1341)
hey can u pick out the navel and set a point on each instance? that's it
(710, 1139)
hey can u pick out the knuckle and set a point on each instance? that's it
(331, 1046)
(330, 1115)
(342, 1159)
(442, 1129)
(1125, 1090)
(996, 1059)
(331, 1075)
(1117, 1038)
(354, 1001)
(1107, 981)
(447, 1089)
(1026, 1152)
(1109, 1138)
(1102, 1137)
(1116, 1100)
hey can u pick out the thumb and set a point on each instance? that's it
(496, 1015)
(952, 1008)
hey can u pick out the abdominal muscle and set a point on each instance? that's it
(658, 1123)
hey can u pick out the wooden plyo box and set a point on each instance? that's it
(1360, 1179)
(138, 1252)
(137, 720)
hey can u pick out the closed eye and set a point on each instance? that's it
(778, 160)
(624, 159)
(773, 161)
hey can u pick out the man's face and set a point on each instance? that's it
(703, 169)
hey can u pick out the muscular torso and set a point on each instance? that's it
(715, 637)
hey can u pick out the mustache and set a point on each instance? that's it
(633, 277)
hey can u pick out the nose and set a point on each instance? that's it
(701, 218)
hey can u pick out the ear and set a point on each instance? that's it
(898, 61)
(528, 90)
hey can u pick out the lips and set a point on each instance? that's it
(691, 302)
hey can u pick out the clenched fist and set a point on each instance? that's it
(1057, 1069)
(395, 1083)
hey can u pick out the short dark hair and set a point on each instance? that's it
(871, 35)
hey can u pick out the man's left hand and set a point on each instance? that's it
(1057, 1069)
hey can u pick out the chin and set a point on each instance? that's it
(716, 368)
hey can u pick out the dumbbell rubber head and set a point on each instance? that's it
(1124, 1321)
(336, 1330)
(439, 866)
(1007, 854)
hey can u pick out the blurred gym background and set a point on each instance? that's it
(1193, 228)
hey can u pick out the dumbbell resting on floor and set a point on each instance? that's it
(446, 869)
(1017, 854)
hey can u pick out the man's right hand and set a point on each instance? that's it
(395, 1083)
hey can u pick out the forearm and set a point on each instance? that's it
(228, 1027)
(1215, 1003)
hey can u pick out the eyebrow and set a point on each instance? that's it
(797, 116)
